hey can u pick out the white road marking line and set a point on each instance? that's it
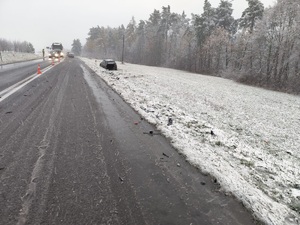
(14, 88)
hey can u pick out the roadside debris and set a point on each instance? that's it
(170, 121)
(151, 133)
(164, 154)
(162, 159)
(215, 180)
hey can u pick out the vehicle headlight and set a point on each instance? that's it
(56, 54)
(61, 54)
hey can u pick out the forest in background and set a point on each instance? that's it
(16, 46)
(261, 48)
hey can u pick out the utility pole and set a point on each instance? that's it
(123, 49)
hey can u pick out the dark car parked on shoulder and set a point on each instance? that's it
(109, 64)
(70, 54)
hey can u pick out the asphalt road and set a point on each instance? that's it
(15, 72)
(72, 153)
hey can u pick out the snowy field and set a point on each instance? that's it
(11, 57)
(246, 137)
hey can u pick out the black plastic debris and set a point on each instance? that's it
(151, 133)
(164, 154)
(170, 121)
(296, 186)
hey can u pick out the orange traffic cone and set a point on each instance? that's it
(39, 70)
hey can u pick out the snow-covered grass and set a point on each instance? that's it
(11, 57)
(246, 137)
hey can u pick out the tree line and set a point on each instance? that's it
(16, 46)
(76, 47)
(261, 48)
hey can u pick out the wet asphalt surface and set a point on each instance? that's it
(72, 152)
(15, 72)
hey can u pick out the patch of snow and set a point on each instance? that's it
(12, 57)
(246, 137)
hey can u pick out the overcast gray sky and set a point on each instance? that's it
(44, 22)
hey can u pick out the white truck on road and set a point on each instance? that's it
(56, 50)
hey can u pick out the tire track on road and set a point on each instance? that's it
(30, 194)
